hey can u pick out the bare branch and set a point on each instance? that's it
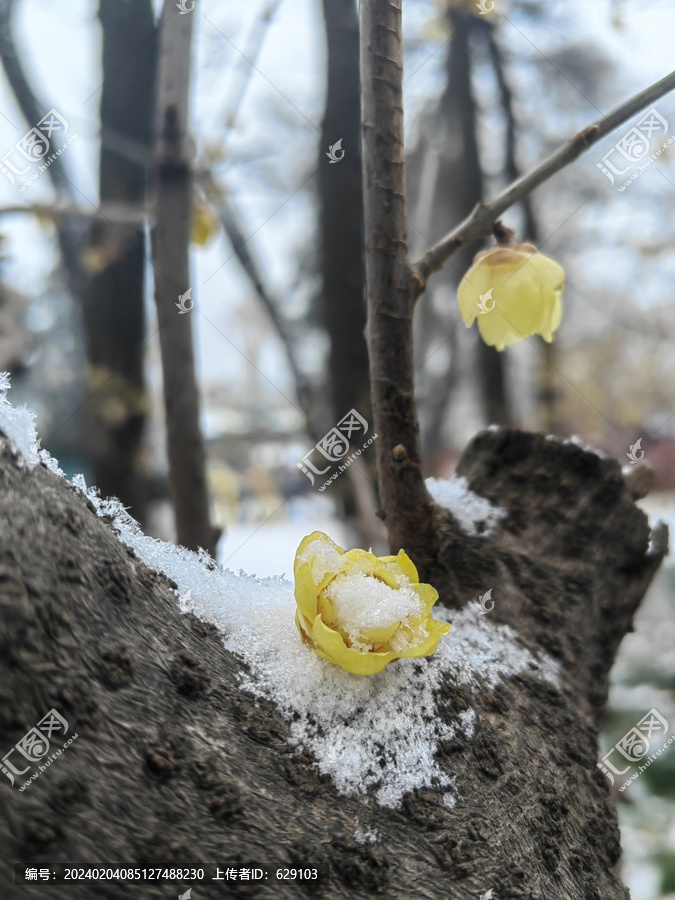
(480, 222)
(115, 213)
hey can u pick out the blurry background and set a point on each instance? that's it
(279, 316)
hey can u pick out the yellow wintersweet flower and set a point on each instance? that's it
(359, 611)
(514, 291)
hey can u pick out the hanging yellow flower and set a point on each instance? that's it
(359, 611)
(514, 292)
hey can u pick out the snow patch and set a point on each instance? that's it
(18, 423)
(362, 603)
(377, 733)
(475, 514)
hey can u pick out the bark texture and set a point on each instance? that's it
(406, 505)
(175, 764)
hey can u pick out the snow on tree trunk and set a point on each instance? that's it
(207, 732)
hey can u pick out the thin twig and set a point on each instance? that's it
(481, 221)
(118, 213)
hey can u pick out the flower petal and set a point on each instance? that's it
(436, 630)
(353, 661)
(401, 563)
(306, 591)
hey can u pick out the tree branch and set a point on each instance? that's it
(115, 213)
(480, 222)
(407, 507)
(231, 223)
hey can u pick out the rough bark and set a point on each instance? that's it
(175, 764)
(406, 505)
(170, 256)
(113, 309)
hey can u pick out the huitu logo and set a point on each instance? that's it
(486, 896)
(634, 146)
(483, 600)
(484, 9)
(36, 146)
(635, 745)
(183, 300)
(335, 152)
(636, 452)
(186, 896)
(484, 306)
(184, 10)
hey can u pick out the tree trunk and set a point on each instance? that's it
(406, 505)
(114, 314)
(175, 764)
(343, 302)
(171, 264)
(341, 189)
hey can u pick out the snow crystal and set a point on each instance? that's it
(475, 514)
(18, 423)
(363, 602)
(369, 734)
(324, 556)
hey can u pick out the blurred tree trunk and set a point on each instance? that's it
(340, 184)
(465, 177)
(547, 390)
(459, 186)
(171, 265)
(343, 304)
(114, 314)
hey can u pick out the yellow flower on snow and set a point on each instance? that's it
(359, 611)
(514, 291)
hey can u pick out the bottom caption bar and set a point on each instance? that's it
(64, 874)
